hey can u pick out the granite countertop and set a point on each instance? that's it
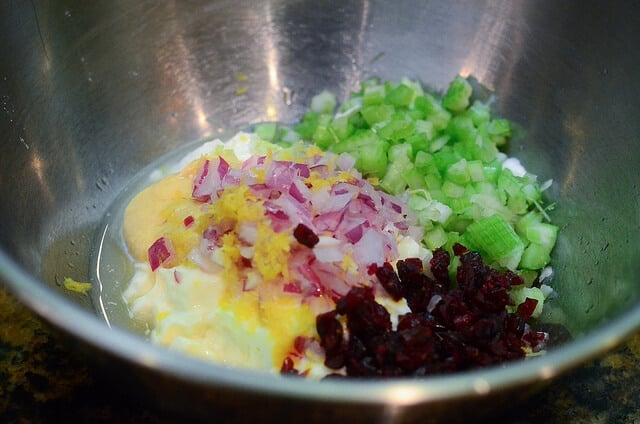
(44, 379)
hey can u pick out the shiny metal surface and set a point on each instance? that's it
(92, 91)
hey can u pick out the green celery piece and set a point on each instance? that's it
(400, 151)
(499, 130)
(542, 233)
(375, 114)
(433, 180)
(393, 182)
(517, 203)
(462, 130)
(492, 170)
(433, 111)
(369, 82)
(371, 160)
(460, 205)
(510, 184)
(418, 142)
(425, 127)
(489, 204)
(475, 169)
(324, 103)
(500, 127)
(288, 135)
(397, 129)
(479, 113)
(424, 161)
(415, 114)
(456, 99)
(438, 143)
(358, 122)
(342, 127)
(400, 96)
(267, 131)
(436, 237)
(373, 95)
(322, 136)
(414, 85)
(444, 158)
(532, 192)
(458, 173)
(528, 275)
(414, 179)
(452, 190)
(308, 125)
(459, 224)
(369, 151)
(390, 85)
(494, 237)
(524, 222)
(535, 256)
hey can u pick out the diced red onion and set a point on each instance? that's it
(160, 252)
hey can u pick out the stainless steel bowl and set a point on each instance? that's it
(92, 91)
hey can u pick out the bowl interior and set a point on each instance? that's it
(92, 93)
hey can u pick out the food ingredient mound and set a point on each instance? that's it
(337, 247)
(245, 250)
(448, 329)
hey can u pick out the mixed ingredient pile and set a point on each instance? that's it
(384, 237)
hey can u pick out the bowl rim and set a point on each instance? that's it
(132, 348)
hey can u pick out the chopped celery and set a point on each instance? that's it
(535, 256)
(458, 172)
(447, 147)
(436, 237)
(397, 128)
(451, 189)
(325, 102)
(479, 113)
(373, 95)
(369, 150)
(414, 179)
(308, 125)
(424, 160)
(494, 237)
(400, 151)
(371, 159)
(500, 127)
(542, 233)
(418, 142)
(267, 131)
(433, 111)
(323, 135)
(426, 128)
(456, 99)
(342, 127)
(378, 113)
(393, 182)
(401, 96)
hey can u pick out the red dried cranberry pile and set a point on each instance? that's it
(447, 330)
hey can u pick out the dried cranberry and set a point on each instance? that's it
(389, 280)
(447, 329)
(305, 235)
(439, 265)
(526, 308)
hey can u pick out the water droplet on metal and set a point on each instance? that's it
(287, 95)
